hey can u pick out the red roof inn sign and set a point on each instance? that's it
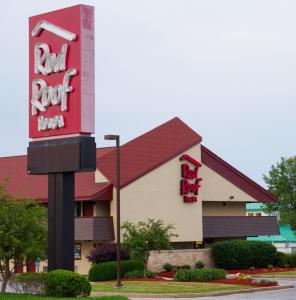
(190, 182)
(61, 72)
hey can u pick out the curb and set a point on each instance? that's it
(276, 276)
(225, 293)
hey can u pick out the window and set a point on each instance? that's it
(250, 214)
(258, 214)
(293, 249)
(77, 251)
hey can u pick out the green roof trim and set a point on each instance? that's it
(256, 206)
(287, 235)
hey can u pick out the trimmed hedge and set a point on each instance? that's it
(242, 254)
(199, 275)
(107, 270)
(285, 260)
(64, 283)
(139, 274)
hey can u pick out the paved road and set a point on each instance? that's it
(288, 294)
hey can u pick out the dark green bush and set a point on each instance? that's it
(187, 267)
(199, 275)
(64, 283)
(167, 267)
(139, 274)
(234, 254)
(291, 260)
(107, 270)
(183, 275)
(263, 254)
(199, 265)
(281, 260)
(207, 274)
(242, 254)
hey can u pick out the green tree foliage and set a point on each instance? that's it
(281, 181)
(23, 233)
(143, 237)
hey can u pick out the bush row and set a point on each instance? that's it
(107, 270)
(242, 254)
(57, 283)
(171, 268)
(139, 274)
(199, 275)
(285, 260)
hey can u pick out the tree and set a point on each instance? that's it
(281, 181)
(23, 233)
(143, 237)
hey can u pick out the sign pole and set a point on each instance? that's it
(60, 221)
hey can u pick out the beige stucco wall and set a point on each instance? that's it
(99, 177)
(227, 208)
(102, 209)
(82, 265)
(156, 195)
(179, 258)
(217, 188)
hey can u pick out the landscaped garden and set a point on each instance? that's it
(233, 260)
(169, 287)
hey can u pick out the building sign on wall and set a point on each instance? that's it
(61, 72)
(190, 182)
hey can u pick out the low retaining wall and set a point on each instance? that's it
(179, 258)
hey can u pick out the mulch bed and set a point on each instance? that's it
(248, 282)
(257, 271)
(166, 274)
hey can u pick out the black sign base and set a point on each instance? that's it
(60, 159)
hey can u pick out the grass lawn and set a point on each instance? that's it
(289, 273)
(152, 287)
(29, 297)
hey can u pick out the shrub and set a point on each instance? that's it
(232, 254)
(187, 267)
(107, 270)
(263, 254)
(242, 254)
(291, 260)
(207, 274)
(281, 260)
(199, 265)
(167, 267)
(199, 275)
(106, 252)
(139, 274)
(183, 275)
(64, 283)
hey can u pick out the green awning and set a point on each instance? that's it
(287, 235)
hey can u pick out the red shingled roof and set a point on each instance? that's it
(149, 151)
(138, 157)
(36, 186)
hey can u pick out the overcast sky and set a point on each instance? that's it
(227, 68)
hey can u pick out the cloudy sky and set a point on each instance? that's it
(226, 67)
